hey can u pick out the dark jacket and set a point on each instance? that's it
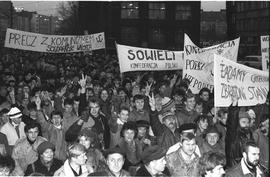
(100, 123)
(4, 143)
(237, 171)
(109, 174)
(235, 137)
(142, 171)
(165, 137)
(38, 167)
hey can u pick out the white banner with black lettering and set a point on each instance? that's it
(198, 62)
(53, 43)
(251, 85)
(265, 52)
(144, 59)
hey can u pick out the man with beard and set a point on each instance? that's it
(166, 128)
(261, 137)
(238, 133)
(249, 165)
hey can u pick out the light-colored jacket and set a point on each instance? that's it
(9, 130)
(66, 170)
(24, 154)
(54, 135)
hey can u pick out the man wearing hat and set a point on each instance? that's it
(143, 134)
(115, 159)
(46, 163)
(166, 132)
(238, 132)
(212, 141)
(14, 128)
(153, 162)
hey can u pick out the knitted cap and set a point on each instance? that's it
(166, 115)
(167, 104)
(14, 113)
(243, 114)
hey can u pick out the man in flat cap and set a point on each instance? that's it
(115, 159)
(154, 162)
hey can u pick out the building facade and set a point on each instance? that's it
(213, 27)
(6, 8)
(158, 25)
(249, 20)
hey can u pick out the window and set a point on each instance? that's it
(130, 10)
(156, 36)
(179, 36)
(129, 35)
(183, 12)
(156, 10)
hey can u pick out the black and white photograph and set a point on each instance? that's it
(134, 88)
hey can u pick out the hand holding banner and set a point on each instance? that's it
(250, 85)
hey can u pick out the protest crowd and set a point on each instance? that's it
(76, 114)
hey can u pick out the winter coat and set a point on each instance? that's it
(139, 115)
(142, 171)
(115, 125)
(107, 173)
(205, 147)
(66, 170)
(235, 137)
(165, 137)
(4, 147)
(237, 171)
(178, 167)
(9, 130)
(38, 167)
(55, 135)
(185, 116)
(24, 154)
(263, 143)
(132, 155)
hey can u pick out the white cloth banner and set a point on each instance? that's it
(53, 43)
(198, 62)
(265, 52)
(144, 59)
(251, 85)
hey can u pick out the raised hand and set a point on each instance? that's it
(63, 90)
(148, 88)
(152, 102)
(82, 81)
(38, 102)
(173, 80)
